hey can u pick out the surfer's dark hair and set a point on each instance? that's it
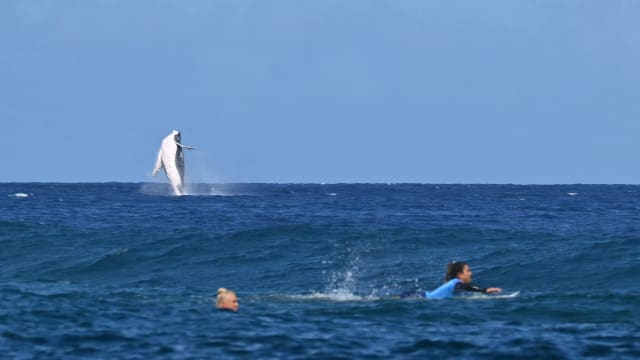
(453, 269)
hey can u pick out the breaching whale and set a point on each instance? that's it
(171, 158)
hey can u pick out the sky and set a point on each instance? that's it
(322, 91)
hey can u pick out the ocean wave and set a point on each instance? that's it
(122, 273)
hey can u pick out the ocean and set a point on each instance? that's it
(127, 271)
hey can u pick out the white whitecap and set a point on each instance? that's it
(20, 195)
(572, 193)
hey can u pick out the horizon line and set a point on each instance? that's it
(313, 183)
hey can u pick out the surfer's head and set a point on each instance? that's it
(227, 300)
(458, 270)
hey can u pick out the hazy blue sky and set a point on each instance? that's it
(322, 91)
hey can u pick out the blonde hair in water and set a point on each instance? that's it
(222, 294)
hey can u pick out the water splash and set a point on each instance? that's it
(205, 190)
(156, 189)
(342, 284)
(190, 189)
(335, 295)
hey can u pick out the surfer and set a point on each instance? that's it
(226, 300)
(457, 279)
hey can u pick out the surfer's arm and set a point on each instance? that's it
(470, 287)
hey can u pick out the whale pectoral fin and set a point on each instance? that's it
(185, 146)
(158, 163)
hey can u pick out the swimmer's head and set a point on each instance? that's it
(227, 300)
(458, 270)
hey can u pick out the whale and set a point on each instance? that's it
(171, 159)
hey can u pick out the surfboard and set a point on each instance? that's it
(506, 296)
(476, 296)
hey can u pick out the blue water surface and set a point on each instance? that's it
(127, 271)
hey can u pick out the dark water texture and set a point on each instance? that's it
(125, 271)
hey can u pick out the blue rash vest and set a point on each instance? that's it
(449, 289)
(445, 290)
